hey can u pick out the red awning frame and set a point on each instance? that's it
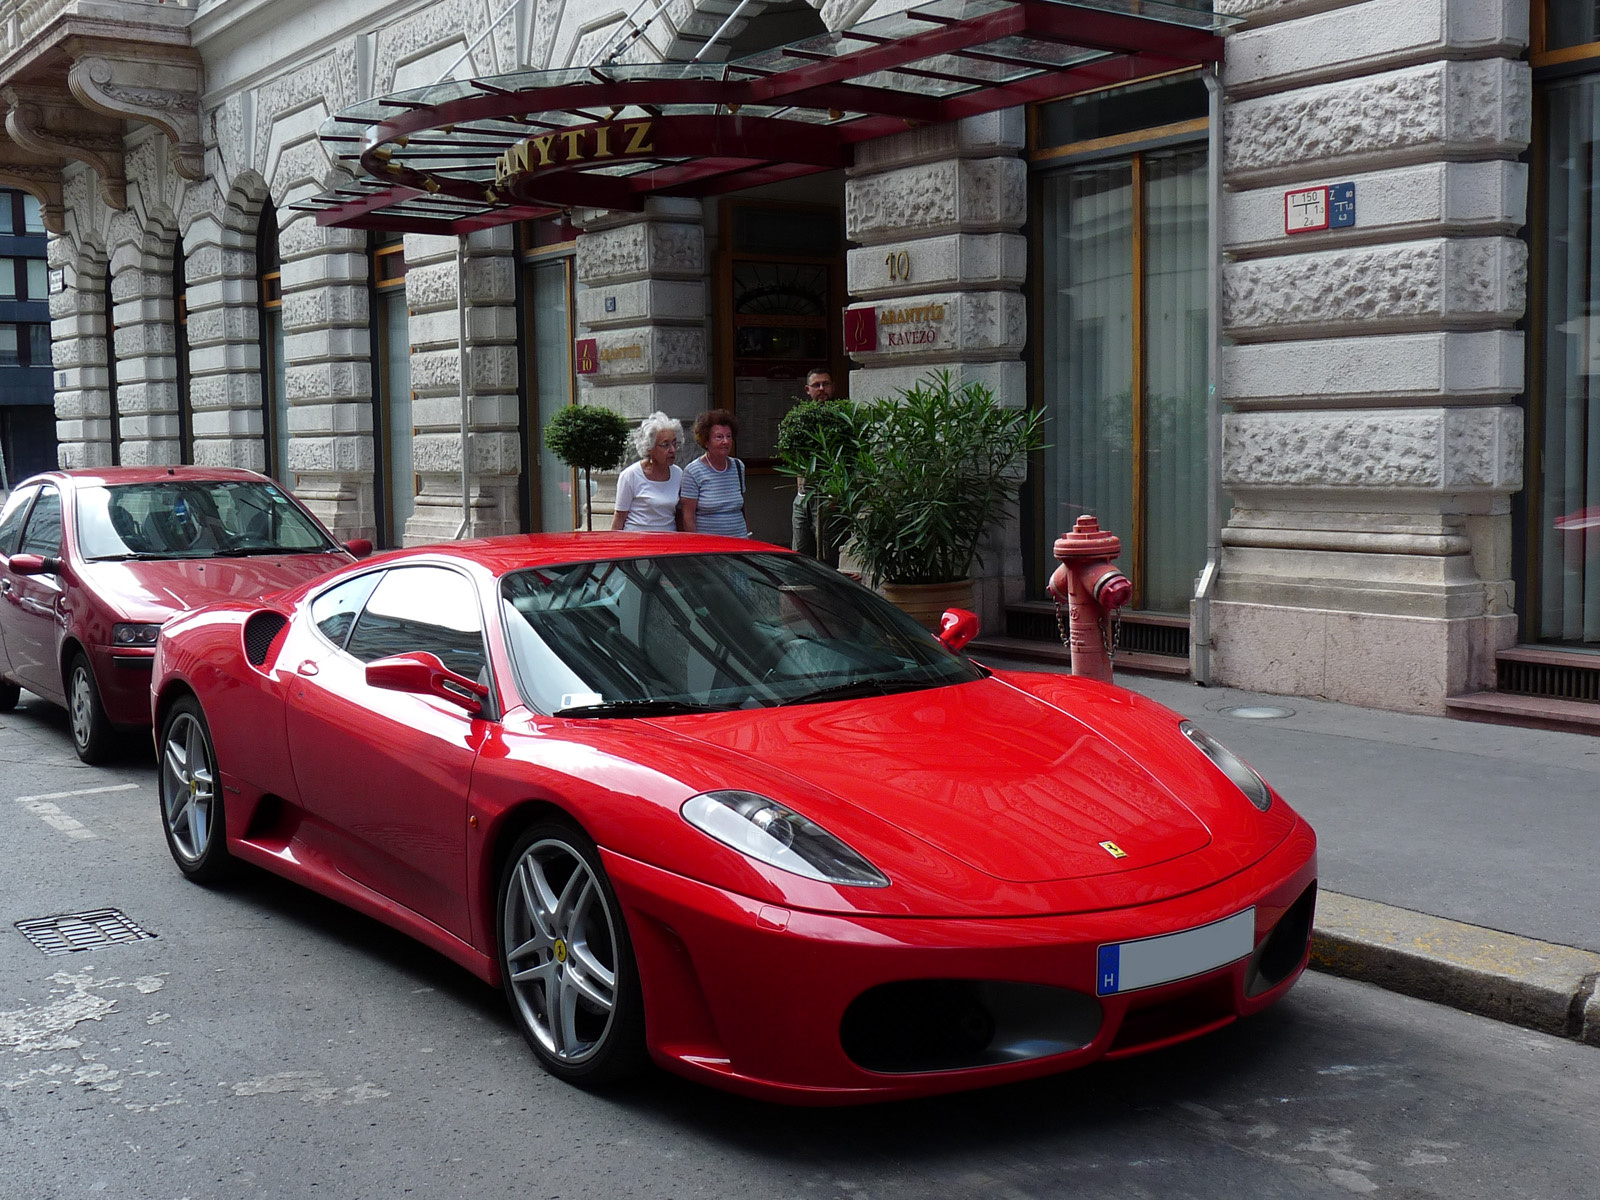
(613, 136)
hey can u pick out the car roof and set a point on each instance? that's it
(513, 552)
(111, 476)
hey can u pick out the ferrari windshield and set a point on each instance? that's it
(190, 518)
(685, 633)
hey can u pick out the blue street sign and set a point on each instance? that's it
(1341, 206)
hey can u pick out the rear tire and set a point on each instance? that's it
(566, 959)
(192, 811)
(10, 693)
(92, 735)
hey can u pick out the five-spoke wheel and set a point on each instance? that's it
(567, 962)
(191, 804)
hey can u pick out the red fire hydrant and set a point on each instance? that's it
(1093, 589)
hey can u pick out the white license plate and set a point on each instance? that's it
(1129, 966)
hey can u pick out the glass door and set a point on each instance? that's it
(1123, 323)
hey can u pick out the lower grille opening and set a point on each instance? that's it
(1186, 1015)
(1285, 947)
(953, 1024)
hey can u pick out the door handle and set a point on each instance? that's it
(307, 668)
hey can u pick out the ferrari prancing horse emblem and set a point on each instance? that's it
(1113, 849)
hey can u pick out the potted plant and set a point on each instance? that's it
(918, 478)
(587, 437)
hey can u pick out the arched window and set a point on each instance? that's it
(180, 352)
(111, 370)
(395, 485)
(274, 392)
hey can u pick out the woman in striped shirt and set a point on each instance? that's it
(712, 498)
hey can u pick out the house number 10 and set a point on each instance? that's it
(899, 265)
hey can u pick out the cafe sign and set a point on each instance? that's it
(568, 147)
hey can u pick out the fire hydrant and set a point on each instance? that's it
(1093, 589)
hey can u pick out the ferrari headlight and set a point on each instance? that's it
(1235, 768)
(780, 837)
(127, 634)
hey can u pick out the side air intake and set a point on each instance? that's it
(259, 632)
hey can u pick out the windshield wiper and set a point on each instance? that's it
(647, 707)
(847, 690)
(252, 551)
(131, 556)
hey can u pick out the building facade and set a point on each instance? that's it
(1399, 429)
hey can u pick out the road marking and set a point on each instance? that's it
(52, 816)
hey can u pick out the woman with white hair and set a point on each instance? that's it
(647, 491)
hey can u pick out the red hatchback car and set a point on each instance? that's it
(93, 561)
(715, 805)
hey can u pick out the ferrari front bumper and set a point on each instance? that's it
(820, 1008)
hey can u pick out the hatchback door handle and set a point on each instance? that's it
(307, 668)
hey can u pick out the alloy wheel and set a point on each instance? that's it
(188, 787)
(561, 951)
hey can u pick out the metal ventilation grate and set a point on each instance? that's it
(71, 932)
(259, 631)
(1037, 623)
(1554, 681)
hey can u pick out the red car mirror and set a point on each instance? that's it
(360, 547)
(34, 564)
(957, 627)
(422, 674)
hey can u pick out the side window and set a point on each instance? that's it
(422, 608)
(11, 518)
(42, 534)
(334, 612)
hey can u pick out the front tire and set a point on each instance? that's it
(92, 735)
(566, 959)
(191, 797)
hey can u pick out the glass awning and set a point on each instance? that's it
(466, 154)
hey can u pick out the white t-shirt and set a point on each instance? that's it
(648, 503)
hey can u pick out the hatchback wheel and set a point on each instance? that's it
(191, 801)
(566, 959)
(92, 735)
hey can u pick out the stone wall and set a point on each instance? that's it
(1372, 440)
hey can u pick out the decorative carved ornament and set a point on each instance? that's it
(160, 89)
(40, 176)
(50, 122)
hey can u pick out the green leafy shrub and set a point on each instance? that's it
(588, 438)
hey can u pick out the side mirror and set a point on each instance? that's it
(35, 564)
(422, 674)
(360, 547)
(957, 627)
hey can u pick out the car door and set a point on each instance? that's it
(386, 774)
(11, 519)
(36, 604)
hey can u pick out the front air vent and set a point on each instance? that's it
(259, 633)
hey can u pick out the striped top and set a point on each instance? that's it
(718, 497)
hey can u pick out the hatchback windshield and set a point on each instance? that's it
(681, 633)
(193, 519)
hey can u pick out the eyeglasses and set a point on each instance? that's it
(671, 445)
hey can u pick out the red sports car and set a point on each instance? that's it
(91, 563)
(716, 805)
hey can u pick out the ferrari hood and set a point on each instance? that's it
(993, 777)
(157, 588)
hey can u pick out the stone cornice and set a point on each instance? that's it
(50, 122)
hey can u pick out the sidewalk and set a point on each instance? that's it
(1459, 862)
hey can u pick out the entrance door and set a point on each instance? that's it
(1123, 320)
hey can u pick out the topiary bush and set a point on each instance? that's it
(588, 438)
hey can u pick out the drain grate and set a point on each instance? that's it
(72, 932)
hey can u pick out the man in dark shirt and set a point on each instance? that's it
(803, 526)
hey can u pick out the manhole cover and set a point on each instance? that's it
(1258, 712)
(71, 932)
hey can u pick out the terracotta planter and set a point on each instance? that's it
(926, 602)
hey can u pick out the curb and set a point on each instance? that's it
(1537, 985)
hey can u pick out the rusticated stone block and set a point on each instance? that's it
(1433, 449)
(654, 351)
(1378, 289)
(1426, 200)
(971, 137)
(955, 260)
(946, 326)
(1007, 380)
(675, 300)
(1374, 36)
(656, 249)
(1442, 109)
(1362, 370)
(955, 195)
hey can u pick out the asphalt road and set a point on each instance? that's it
(268, 1043)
